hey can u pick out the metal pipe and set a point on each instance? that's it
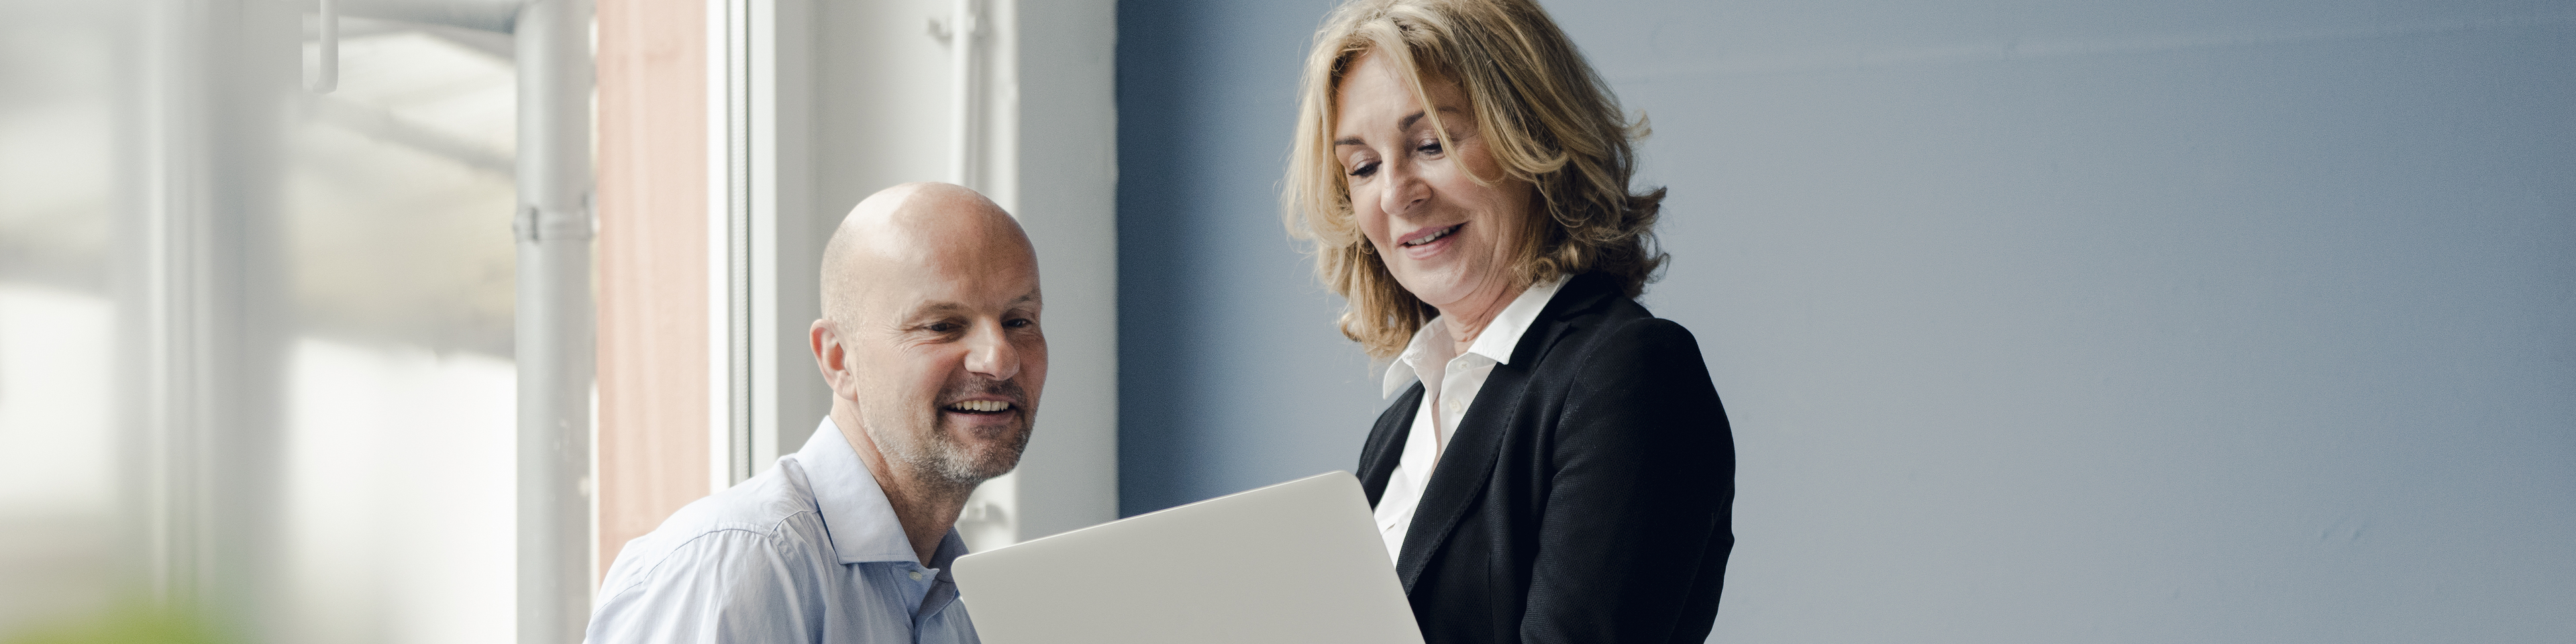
(326, 70)
(965, 28)
(496, 16)
(554, 328)
(735, 327)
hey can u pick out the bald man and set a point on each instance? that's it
(931, 344)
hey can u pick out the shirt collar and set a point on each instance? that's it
(856, 515)
(1496, 342)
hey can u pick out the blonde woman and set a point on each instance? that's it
(1555, 466)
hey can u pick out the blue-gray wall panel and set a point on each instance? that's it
(1231, 375)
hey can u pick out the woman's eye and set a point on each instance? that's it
(1430, 149)
(1364, 169)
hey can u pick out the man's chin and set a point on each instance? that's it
(970, 467)
(984, 452)
(979, 430)
(999, 465)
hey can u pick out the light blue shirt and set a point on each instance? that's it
(808, 551)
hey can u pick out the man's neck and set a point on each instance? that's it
(926, 509)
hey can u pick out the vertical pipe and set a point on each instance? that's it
(964, 29)
(724, 154)
(554, 326)
(736, 285)
(326, 69)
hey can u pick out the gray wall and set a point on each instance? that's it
(1231, 375)
(2037, 322)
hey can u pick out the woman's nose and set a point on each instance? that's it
(1404, 189)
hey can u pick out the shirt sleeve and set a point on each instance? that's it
(1640, 497)
(728, 586)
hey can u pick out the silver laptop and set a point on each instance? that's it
(1295, 562)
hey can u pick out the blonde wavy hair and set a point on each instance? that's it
(1549, 120)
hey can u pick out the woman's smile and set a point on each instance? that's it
(1424, 243)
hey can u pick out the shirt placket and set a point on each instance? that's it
(916, 582)
(1453, 400)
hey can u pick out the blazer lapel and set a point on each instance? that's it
(1469, 462)
(1385, 447)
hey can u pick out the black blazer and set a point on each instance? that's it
(1586, 495)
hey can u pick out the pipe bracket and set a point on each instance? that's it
(534, 224)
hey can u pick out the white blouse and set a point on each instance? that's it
(1460, 376)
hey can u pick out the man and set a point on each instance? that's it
(931, 344)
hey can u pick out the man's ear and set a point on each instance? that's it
(830, 355)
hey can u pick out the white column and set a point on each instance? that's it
(203, 301)
(1055, 117)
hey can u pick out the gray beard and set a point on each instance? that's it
(945, 461)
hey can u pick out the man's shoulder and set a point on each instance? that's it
(739, 565)
(763, 500)
(770, 515)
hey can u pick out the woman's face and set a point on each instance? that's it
(1446, 239)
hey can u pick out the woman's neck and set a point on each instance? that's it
(1467, 318)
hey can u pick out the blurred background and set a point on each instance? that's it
(380, 213)
(2035, 321)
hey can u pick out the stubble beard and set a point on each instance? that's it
(942, 459)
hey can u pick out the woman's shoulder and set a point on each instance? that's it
(1598, 318)
(1618, 346)
(1628, 382)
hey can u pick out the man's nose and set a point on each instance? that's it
(989, 353)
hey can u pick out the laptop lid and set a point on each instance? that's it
(1295, 562)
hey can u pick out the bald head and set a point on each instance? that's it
(930, 341)
(916, 226)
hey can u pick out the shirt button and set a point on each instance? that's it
(916, 575)
(1451, 405)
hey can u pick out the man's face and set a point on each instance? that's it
(947, 358)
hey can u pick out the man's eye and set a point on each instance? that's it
(1365, 169)
(1020, 323)
(941, 327)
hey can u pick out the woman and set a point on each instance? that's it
(1558, 467)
